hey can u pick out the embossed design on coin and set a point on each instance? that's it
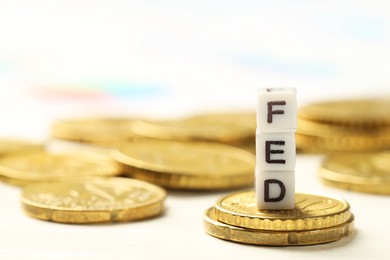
(310, 212)
(103, 199)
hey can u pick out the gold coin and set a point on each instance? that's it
(329, 130)
(345, 143)
(250, 147)
(275, 238)
(195, 129)
(25, 168)
(187, 165)
(101, 131)
(13, 146)
(314, 136)
(381, 160)
(311, 212)
(247, 119)
(361, 172)
(14, 182)
(92, 200)
(362, 113)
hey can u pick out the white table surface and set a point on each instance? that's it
(177, 58)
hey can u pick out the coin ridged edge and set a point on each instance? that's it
(340, 143)
(275, 238)
(93, 216)
(299, 224)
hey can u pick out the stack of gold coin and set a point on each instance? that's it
(187, 165)
(362, 172)
(21, 169)
(342, 126)
(315, 219)
(92, 200)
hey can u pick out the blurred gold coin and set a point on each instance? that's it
(344, 126)
(382, 160)
(311, 212)
(250, 147)
(363, 172)
(196, 129)
(317, 144)
(101, 131)
(13, 146)
(247, 119)
(14, 182)
(92, 200)
(275, 238)
(187, 165)
(361, 113)
(24, 168)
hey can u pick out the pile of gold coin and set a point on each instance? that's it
(362, 172)
(81, 186)
(355, 135)
(315, 219)
(344, 126)
(201, 152)
(78, 187)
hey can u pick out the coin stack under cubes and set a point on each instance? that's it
(315, 219)
(278, 215)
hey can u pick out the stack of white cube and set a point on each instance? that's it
(275, 148)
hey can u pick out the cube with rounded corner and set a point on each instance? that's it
(275, 151)
(277, 110)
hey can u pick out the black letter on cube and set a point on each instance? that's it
(274, 112)
(266, 190)
(268, 152)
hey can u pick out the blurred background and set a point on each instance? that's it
(170, 58)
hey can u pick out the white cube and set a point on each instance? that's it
(277, 110)
(275, 190)
(275, 151)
